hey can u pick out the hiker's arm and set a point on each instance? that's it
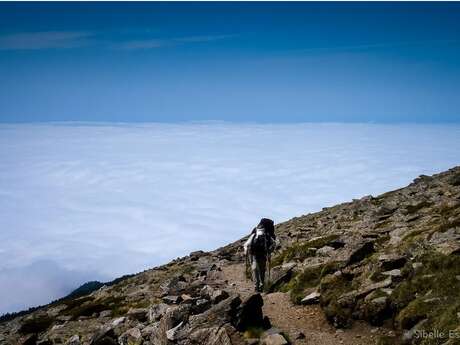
(247, 243)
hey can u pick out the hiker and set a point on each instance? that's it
(258, 248)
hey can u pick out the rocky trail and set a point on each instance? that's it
(303, 325)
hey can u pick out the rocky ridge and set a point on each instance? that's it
(392, 261)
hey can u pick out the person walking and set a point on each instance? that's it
(258, 249)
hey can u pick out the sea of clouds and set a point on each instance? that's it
(82, 202)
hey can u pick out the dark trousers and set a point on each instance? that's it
(258, 266)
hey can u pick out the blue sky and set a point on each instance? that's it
(254, 62)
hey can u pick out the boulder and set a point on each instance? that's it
(30, 339)
(281, 274)
(395, 274)
(218, 295)
(173, 286)
(224, 335)
(376, 310)
(249, 313)
(201, 305)
(171, 318)
(171, 334)
(35, 323)
(105, 313)
(172, 299)
(360, 251)
(139, 314)
(118, 321)
(274, 339)
(325, 251)
(73, 340)
(311, 298)
(132, 336)
(105, 336)
(156, 311)
(389, 262)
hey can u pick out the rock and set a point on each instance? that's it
(252, 341)
(417, 266)
(139, 314)
(312, 298)
(35, 323)
(105, 313)
(325, 251)
(132, 336)
(249, 313)
(173, 286)
(280, 275)
(105, 336)
(274, 339)
(367, 289)
(201, 305)
(390, 262)
(224, 335)
(376, 310)
(408, 335)
(171, 318)
(29, 339)
(118, 321)
(218, 296)
(171, 334)
(194, 256)
(172, 299)
(73, 340)
(396, 273)
(206, 292)
(360, 251)
(156, 311)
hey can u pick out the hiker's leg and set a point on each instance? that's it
(255, 272)
(262, 266)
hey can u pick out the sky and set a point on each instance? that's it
(239, 62)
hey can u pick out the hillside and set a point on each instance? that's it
(378, 270)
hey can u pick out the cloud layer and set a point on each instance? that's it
(81, 202)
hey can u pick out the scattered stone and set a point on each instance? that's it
(312, 298)
(281, 274)
(105, 336)
(105, 313)
(139, 314)
(361, 251)
(156, 311)
(249, 313)
(118, 321)
(325, 251)
(29, 339)
(132, 336)
(172, 299)
(396, 273)
(73, 340)
(171, 334)
(274, 339)
(218, 295)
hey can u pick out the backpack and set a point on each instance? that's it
(260, 242)
(269, 226)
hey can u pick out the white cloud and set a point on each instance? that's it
(43, 40)
(106, 200)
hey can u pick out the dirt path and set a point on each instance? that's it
(292, 319)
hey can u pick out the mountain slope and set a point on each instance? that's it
(385, 269)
